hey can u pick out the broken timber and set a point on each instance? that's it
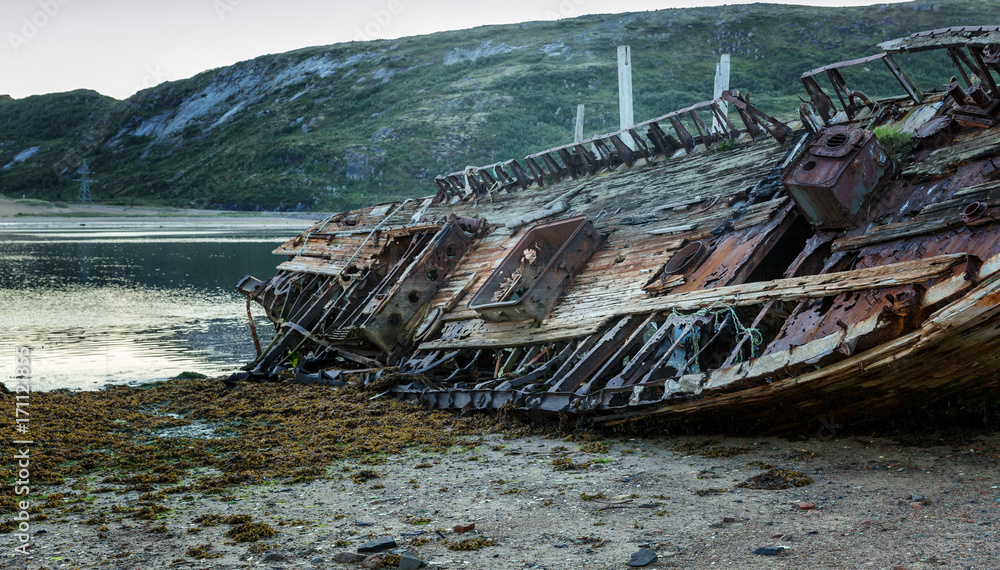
(650, 273)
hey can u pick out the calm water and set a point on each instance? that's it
(125, 302)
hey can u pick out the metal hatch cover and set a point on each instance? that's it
(537, 270)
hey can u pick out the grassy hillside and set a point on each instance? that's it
(337, 126)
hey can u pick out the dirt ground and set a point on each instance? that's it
(924, 501)
(9, 208)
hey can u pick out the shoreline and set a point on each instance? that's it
(15, 212)
(146, 477)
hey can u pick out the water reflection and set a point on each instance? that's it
(102, 306)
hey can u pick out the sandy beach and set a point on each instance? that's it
(308, 475)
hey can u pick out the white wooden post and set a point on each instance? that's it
(578, 132)
(625, 91)
(721, 84)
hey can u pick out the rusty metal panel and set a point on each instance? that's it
(537, 270)
(390, 316)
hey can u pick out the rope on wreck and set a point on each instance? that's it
(717, 308)
(253, 326)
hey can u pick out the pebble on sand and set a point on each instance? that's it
(642, 557)
(378, 545)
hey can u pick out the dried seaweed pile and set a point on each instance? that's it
(158, 439)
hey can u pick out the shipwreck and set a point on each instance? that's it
(673, 270)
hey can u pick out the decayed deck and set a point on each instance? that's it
(820, 299)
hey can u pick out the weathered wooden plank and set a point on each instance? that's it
(810, 286)
(962, 331)
(563, 326)
(957, 36)
(320, 244)
(987, 192)
(943, 161)
(891, 232)
(673, 229)
(514, 337)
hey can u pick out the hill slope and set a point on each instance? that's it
(337, 126)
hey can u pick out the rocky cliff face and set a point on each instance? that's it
(337, 126)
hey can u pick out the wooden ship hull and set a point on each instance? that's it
(763, 271)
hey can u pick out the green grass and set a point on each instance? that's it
(725, 145)
(896, 143)
(34, 202)
(395, 114)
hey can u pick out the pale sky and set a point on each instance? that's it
(118, 47)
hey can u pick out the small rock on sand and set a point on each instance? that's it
(410, 561)
(378, 545)
(642, 557)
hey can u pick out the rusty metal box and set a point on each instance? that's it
(834, 178)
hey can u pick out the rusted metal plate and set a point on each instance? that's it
(391, 315)
(537, 270)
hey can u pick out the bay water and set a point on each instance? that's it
(126, 301)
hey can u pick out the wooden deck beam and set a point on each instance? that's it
(788, 289)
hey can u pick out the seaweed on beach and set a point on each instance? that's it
(250, 532)
(470, 544)
(262, 432)
(777, 479)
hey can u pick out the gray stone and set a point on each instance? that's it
(642, 557)
(378, 545)
(410, 561)
(770, 550)
(348, 557)
(274, 557)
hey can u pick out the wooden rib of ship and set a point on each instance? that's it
(795, 272)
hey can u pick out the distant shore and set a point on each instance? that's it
(35, 212)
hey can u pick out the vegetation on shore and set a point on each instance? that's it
(198, 436)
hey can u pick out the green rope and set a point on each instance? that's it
(719, 308)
